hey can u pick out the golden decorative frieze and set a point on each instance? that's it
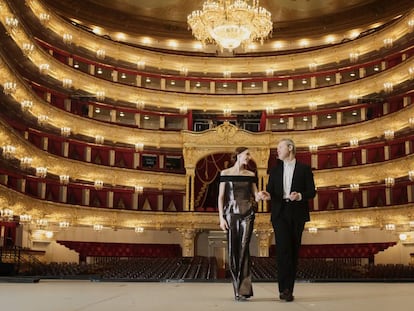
(87, 216)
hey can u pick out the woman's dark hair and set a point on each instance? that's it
(237, 152)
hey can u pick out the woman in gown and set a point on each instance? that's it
(237, 199)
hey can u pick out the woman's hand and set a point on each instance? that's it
(262, 195)
(223, 224)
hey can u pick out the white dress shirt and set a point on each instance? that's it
(288, 168)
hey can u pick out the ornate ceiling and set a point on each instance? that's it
(167, 19)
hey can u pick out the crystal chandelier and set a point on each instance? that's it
(230, 23)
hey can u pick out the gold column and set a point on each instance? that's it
(189, 190)
(188, 241)
(261, 157)
(264, 238)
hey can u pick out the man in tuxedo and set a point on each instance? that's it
(290, 186)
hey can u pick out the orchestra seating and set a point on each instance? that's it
(164, 262)
(201, 268)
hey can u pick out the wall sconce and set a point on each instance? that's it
(354, 228)
(8, 151)
(44, 69)
(269, 72)
(65, 131)
(9, 87)
(353, 99)
(411, 122)
(99, 139)
(67, 83)
(354, 188)
(141, 64)
(139, 147)
(227, 112)
(42, 223)
(411, 175)
(64, 179)
(411, 224)
(25, 218)
(390, 227)
(313, 106)
(313, 230)
(388, 87)
(183, 110)
(389, 182)
(139, 229)
(97, 227)
(42, 119)
(389, 134)
(98, 184)
(138, 189)
(27, 48)
(41, 172)
(354, 142)
(6, 214)
(100, 95)
(388, 43)
(64, 224)
(67, 38)
(269, 110)
(183, 71)
(100, 54)
(353, 57)
(25, 162)
(11, 24)
(44, 18)
(227, 74)
(411, 72)
(313, 148)
(410, 24)
(26, 105)
(313, 67)
(140, 104)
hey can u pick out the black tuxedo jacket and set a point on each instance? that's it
(302, 182)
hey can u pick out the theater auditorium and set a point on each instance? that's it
(117, 117)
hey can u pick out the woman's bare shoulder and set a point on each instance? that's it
(248, 173)
(225, 172)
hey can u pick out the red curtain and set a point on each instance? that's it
(35, 139)
(176, 198)
(55, 147)
(58, 101)
(152, 199)
(123, 200)
(77, 151)
(352, 157)
(352, 200)
(399, 194)
(124, 158)
(52, 192)
(327, 160)
(397, 150)
(74, 195)
(375, 154)
(100, 156)
(327, 200)
(304, 157)
(376, 196)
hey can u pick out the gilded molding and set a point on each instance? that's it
(334, 54)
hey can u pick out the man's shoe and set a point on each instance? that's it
(286, 295)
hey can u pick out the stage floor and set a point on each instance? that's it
(67, 295)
